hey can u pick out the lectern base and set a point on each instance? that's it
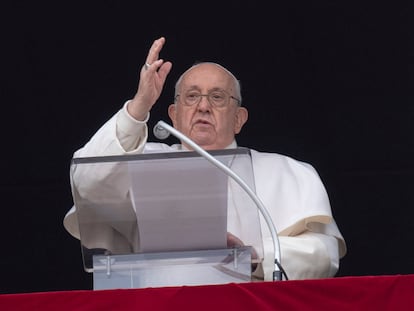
(172, 268)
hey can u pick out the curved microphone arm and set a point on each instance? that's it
(277, 273)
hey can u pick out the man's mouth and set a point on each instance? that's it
(202, 122)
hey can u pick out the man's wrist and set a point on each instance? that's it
(134, 113)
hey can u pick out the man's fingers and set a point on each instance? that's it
(155, 50)
(164, 70)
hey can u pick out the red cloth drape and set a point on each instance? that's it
(342, 293)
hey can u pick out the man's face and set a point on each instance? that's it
(209, 126)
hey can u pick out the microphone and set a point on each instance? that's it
(161, 128)
(160, 132)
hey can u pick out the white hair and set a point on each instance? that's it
(237, 86)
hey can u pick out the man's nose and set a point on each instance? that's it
(204, 104)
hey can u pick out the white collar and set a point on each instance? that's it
(233, 145)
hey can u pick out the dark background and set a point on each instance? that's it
(326, 82)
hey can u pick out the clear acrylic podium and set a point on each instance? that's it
(162, 219)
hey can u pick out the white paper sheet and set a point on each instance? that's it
(181, 204)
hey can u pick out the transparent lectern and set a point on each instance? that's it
(163, 219)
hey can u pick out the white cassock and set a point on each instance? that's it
(311, 244)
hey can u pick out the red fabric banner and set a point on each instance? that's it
(342, 293)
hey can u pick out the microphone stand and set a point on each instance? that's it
(161, 126)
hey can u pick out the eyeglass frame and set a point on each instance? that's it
(208, 98)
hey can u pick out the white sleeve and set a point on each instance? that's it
(119, 135)
(131, 134)
(310, 241)
(308, 255)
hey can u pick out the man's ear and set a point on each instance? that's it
(172, 113)
(241, 117)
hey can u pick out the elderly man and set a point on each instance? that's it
(207, 108)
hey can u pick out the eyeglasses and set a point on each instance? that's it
(217, 99)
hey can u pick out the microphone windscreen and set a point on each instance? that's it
(160, 132)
